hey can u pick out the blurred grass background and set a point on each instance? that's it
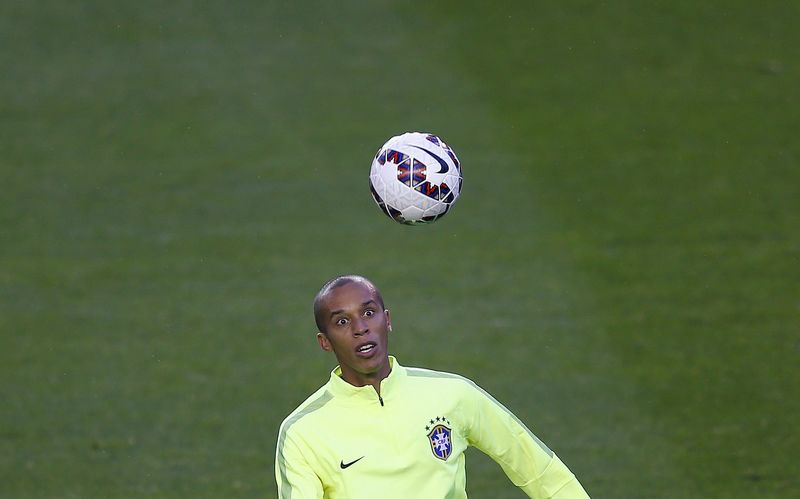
(622, 270)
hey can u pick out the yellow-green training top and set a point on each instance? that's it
(347, 442)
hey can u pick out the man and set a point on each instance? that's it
(381, 430)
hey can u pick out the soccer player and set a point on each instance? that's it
(379, 429)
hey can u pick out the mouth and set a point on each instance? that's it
(367, 349)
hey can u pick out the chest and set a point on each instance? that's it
(420, 436)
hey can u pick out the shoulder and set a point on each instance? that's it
(308, 408)
(429, 376)
(456, 384)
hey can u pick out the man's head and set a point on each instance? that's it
(354, 324)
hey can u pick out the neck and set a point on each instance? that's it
(356, 378)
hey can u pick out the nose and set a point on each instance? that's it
(361, 326)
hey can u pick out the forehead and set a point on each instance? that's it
(348, 296)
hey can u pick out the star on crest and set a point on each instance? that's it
(437, 420)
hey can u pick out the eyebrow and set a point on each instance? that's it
(368, 302)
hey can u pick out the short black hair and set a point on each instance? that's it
(334, 283)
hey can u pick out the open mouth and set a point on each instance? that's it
(366, 349)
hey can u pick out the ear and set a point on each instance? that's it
(324, 342)
(388, 319)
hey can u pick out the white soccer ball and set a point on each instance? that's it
(415, 178)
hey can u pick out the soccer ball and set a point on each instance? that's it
(415, 178)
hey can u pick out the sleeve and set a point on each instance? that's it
(293, 473)
(525, 459)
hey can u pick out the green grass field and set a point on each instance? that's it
(622, 270)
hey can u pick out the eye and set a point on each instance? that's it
(369, 312)
(341, 321)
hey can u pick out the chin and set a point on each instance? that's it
(371, 366)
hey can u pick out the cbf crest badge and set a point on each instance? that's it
(440, 437)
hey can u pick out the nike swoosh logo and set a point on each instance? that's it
(344, 465)
(443, 163)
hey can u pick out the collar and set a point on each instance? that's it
(341, 389)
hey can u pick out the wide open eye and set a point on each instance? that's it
(341, 321)
(369, 312)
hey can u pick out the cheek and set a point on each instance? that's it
(336, 343)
